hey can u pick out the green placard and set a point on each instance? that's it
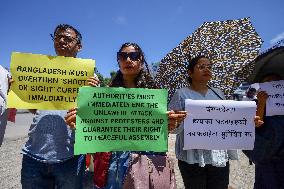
(121, 119)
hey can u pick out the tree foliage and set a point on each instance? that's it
(104, 81)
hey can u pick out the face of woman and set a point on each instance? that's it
(202, 71)
(130, 61)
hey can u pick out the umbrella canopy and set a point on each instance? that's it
(269, 61)
(172, 71)
(231, 45)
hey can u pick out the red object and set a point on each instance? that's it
(12, 114)
(101, 166)
(88, 160)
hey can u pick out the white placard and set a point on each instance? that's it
(219, 124)
(275, 101)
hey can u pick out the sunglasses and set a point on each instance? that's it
(134, 56)
(202, 67)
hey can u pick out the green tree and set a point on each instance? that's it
(104, 81)
(112, 74)
(101, 77)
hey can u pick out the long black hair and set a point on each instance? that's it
(143, 79)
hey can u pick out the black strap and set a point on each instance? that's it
(215, 92)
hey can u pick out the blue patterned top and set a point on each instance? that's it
(216, 158)
(50, 139)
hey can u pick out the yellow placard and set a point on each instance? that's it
(47, 82)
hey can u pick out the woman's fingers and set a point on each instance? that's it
(72, 125)
(93, 81)
(170, 112)
(257, 121)
(70, 113)
(175, 118)
(180, 112)
(70, 118)
(71, 121)
(177, 115)
(10, 81)
(72, 110)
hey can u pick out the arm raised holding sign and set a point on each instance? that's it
(51, 142)
(262, 95)
(268, 152)
(261, 102)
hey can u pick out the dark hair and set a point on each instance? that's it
(277, 76)
(144, 78)
(136, 47)
(251, 89)
(65, 27)
(192, 64)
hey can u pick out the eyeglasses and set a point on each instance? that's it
(134, 56)
(202, 67)
(66, 39)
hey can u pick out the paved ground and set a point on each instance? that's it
(241, 173)
(20, 128)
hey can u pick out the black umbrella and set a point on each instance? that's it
(269, 61)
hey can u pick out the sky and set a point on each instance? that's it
(157, 26)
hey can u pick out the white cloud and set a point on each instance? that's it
(120, 20)
(277, 38)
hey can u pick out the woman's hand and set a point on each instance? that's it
(93, 81)
(262, 97)
(10, 81)
(175, 118)
(70, 118)
(260, 109)
(257, 121)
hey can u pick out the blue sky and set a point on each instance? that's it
(156, 25)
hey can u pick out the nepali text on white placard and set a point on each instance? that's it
(219, 124)
(275, 101)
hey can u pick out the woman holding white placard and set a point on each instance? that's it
(200, 168)
(268, 152)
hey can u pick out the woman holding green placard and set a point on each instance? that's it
(115, 170)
